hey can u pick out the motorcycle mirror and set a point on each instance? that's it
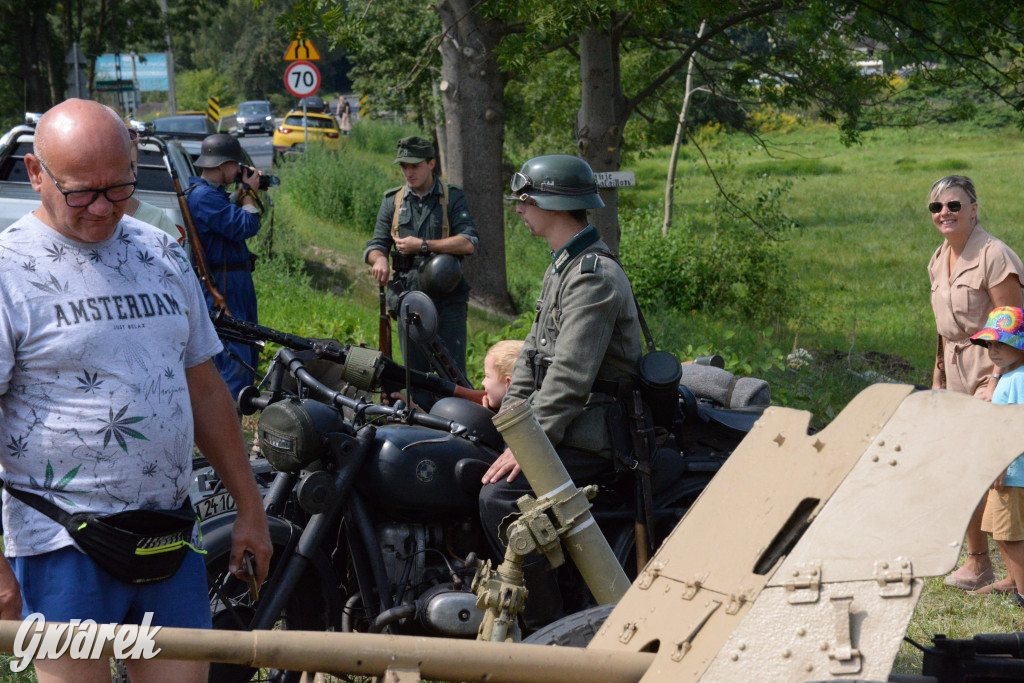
(419, 315)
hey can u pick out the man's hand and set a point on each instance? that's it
(408, 245)
(251, 533)
(379, 268)
(219, 437)
(250, 177)
(10, 592)
(505, 464)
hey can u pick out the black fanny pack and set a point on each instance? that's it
(136, 546)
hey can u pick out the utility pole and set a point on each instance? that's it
(172, 101)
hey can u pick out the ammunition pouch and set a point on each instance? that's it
(402, 263)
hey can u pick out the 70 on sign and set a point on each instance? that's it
(302, 79)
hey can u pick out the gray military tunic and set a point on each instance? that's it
(586, 319)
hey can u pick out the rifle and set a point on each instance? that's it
(190, 230)
(384, 329)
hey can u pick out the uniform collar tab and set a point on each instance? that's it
(574, 247)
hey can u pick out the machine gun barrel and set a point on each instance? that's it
(391, 372)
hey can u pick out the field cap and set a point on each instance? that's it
(413, 150)
(1005, 324)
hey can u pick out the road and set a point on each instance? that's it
(260, 148)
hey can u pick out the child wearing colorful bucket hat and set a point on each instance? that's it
(1003, 335)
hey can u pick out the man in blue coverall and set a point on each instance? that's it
(223, 227)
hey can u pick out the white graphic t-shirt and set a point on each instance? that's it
(94, 341)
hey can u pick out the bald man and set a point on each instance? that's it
(106, 379)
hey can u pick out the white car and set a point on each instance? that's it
(156, 157)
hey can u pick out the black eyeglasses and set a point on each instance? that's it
(78, 199)
(953, 206)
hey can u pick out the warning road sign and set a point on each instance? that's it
(302, 79)
(301, 50)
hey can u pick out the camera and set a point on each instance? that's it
(266, 181)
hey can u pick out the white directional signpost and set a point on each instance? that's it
(615, 179)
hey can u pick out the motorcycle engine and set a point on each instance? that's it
(418, 569)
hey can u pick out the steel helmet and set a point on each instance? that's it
(218, 149)
(439, 275)
(557, 182)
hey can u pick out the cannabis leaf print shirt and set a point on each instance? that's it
(94, 341)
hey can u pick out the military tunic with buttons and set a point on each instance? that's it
(586, 319)
(422, 217)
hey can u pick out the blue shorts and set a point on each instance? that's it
(66, 584)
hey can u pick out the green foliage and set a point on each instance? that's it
(192, 88)
(927, 98)
(381, 138)
(723, 266)
(345, 184)
(394, 54)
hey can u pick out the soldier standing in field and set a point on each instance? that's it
(585, 339)
(416, 223)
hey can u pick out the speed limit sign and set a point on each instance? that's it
(302, 79)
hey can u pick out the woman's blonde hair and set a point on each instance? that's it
(504, 354)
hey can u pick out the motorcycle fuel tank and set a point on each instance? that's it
(423, 471)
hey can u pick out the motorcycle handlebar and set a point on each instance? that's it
(296, 368)
(391, 372)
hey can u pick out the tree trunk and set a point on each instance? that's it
(600, 120)
(670, 181)
(31, 22)
(472, 90)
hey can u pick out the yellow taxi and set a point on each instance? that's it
(290, 136)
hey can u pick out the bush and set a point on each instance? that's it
(726, 266)
(345, 185)
(342, 186)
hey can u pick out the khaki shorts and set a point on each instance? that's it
(1004, 514)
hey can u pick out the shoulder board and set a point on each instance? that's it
(588, 264)
(392, 191)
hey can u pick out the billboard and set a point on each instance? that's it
(149, 70)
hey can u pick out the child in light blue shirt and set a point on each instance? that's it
(1003, 335)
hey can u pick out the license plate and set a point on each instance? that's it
(214, 505)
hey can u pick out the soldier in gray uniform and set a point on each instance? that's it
(585, 339)
(432, 218)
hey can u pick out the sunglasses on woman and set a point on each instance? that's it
(953, 206)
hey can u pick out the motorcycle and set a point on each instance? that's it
(373, 509)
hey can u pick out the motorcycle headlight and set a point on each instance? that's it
(293, 432)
